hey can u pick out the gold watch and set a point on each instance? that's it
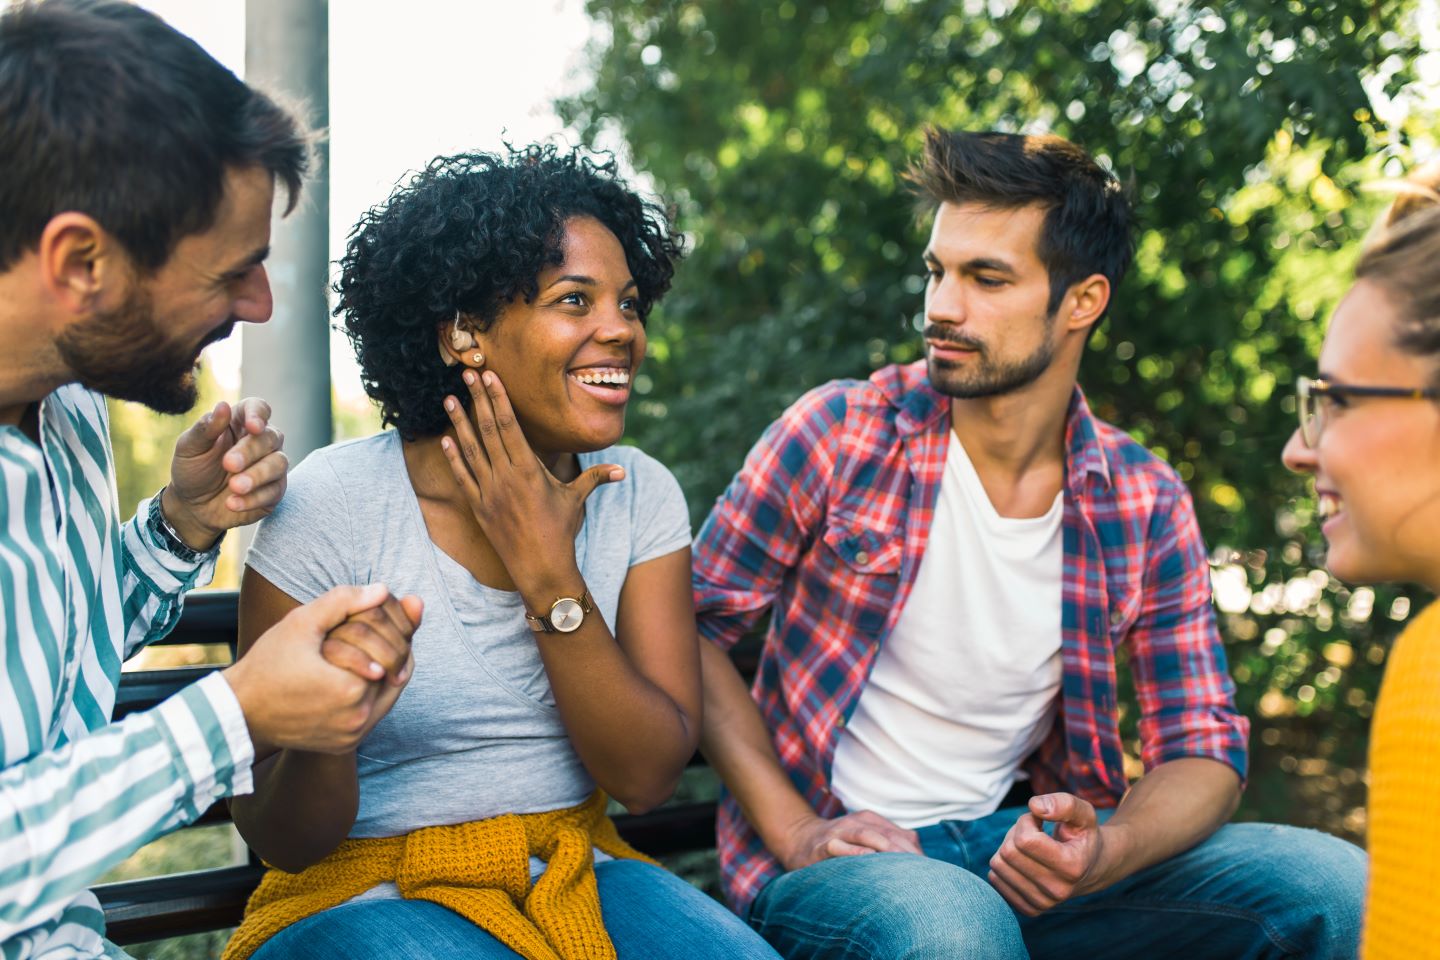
(565, 616)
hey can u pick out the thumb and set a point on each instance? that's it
(596, 477)
(338, 604)
(1063, 808)
(414, 607)
(204, 432)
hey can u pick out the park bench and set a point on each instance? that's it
(156, 908)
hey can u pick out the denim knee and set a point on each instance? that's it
(886, 906)
(1321, 880)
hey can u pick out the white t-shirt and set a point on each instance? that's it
(966, 687)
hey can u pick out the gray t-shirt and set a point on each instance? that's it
(476, 732)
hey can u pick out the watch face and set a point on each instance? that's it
(566, 615)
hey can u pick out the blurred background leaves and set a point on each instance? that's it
(1245, 130)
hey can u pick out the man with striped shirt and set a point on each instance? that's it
(135, 206)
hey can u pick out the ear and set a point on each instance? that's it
(1085, 302)
(459, 345)
(81, 265)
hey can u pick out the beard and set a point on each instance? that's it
(124, 355)
(982, 376)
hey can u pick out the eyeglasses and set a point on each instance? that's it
(1316, 397)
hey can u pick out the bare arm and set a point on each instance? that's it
(737, 743)
(630, 701)
(305, 802)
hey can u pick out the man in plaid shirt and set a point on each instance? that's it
(953, 555)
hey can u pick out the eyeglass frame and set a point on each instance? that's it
(1308, 411)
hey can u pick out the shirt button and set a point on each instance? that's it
(1116, 618)
(840, 723)
(862, 558)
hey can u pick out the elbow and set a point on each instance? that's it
(637, 797)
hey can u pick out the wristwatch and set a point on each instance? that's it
(169, 538)
(565, 616)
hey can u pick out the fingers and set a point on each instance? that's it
(1025, 899)
(252, 415)
(414, 608)
(838, 847)
(340, 653)
(338, 604)
(1064, 808)
(260, 487)
(250, 450)
(203, 434)
(471, 452)
(374, 634)
(596, 477)
(482, 409)
(507, 428)
(880, 834)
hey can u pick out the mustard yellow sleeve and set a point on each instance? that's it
(1402, 913)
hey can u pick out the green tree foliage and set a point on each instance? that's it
(781, 130)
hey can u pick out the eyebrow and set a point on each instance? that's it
(977, 264)
(586, 281)
(256, 257)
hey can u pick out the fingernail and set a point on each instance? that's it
(617, 474)
(403, 675)
(489, 378)
(243, 484)
(450, 404)
(469, 376)
(376, 670)
(1046, 806)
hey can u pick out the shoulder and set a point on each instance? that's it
(348, 458)
(644, 475)
(81, 406)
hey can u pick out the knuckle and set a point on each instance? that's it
(472, 450)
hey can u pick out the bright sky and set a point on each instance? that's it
(410, 81)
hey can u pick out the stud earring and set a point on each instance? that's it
(479, 359)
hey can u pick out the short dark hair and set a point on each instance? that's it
(107, 110)
(1087, 228)
(471, 233)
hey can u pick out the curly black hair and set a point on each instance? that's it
(471, 233)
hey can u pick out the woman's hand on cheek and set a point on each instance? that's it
(529, 516)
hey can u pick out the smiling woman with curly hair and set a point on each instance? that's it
(497, 304)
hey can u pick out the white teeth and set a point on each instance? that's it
(599, 375)
(1328, 506)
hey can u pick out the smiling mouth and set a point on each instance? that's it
(1328, 506)
(613, 378)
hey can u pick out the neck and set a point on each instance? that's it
(1016, 432)
(32, 366)
(430, 469)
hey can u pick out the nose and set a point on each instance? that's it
(615, 327)
(1298, 457)
(254, 302)
(944, 301)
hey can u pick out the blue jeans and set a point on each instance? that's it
(1251, 890)
(649, 913)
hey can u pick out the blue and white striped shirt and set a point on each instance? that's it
(80, 592)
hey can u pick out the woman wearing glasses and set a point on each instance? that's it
(1370, 436)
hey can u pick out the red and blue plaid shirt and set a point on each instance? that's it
(824, 528)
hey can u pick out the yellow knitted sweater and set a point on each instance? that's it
(481, 870)
(1402, 917)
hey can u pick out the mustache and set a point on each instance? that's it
(214, 336)
(952, 337)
